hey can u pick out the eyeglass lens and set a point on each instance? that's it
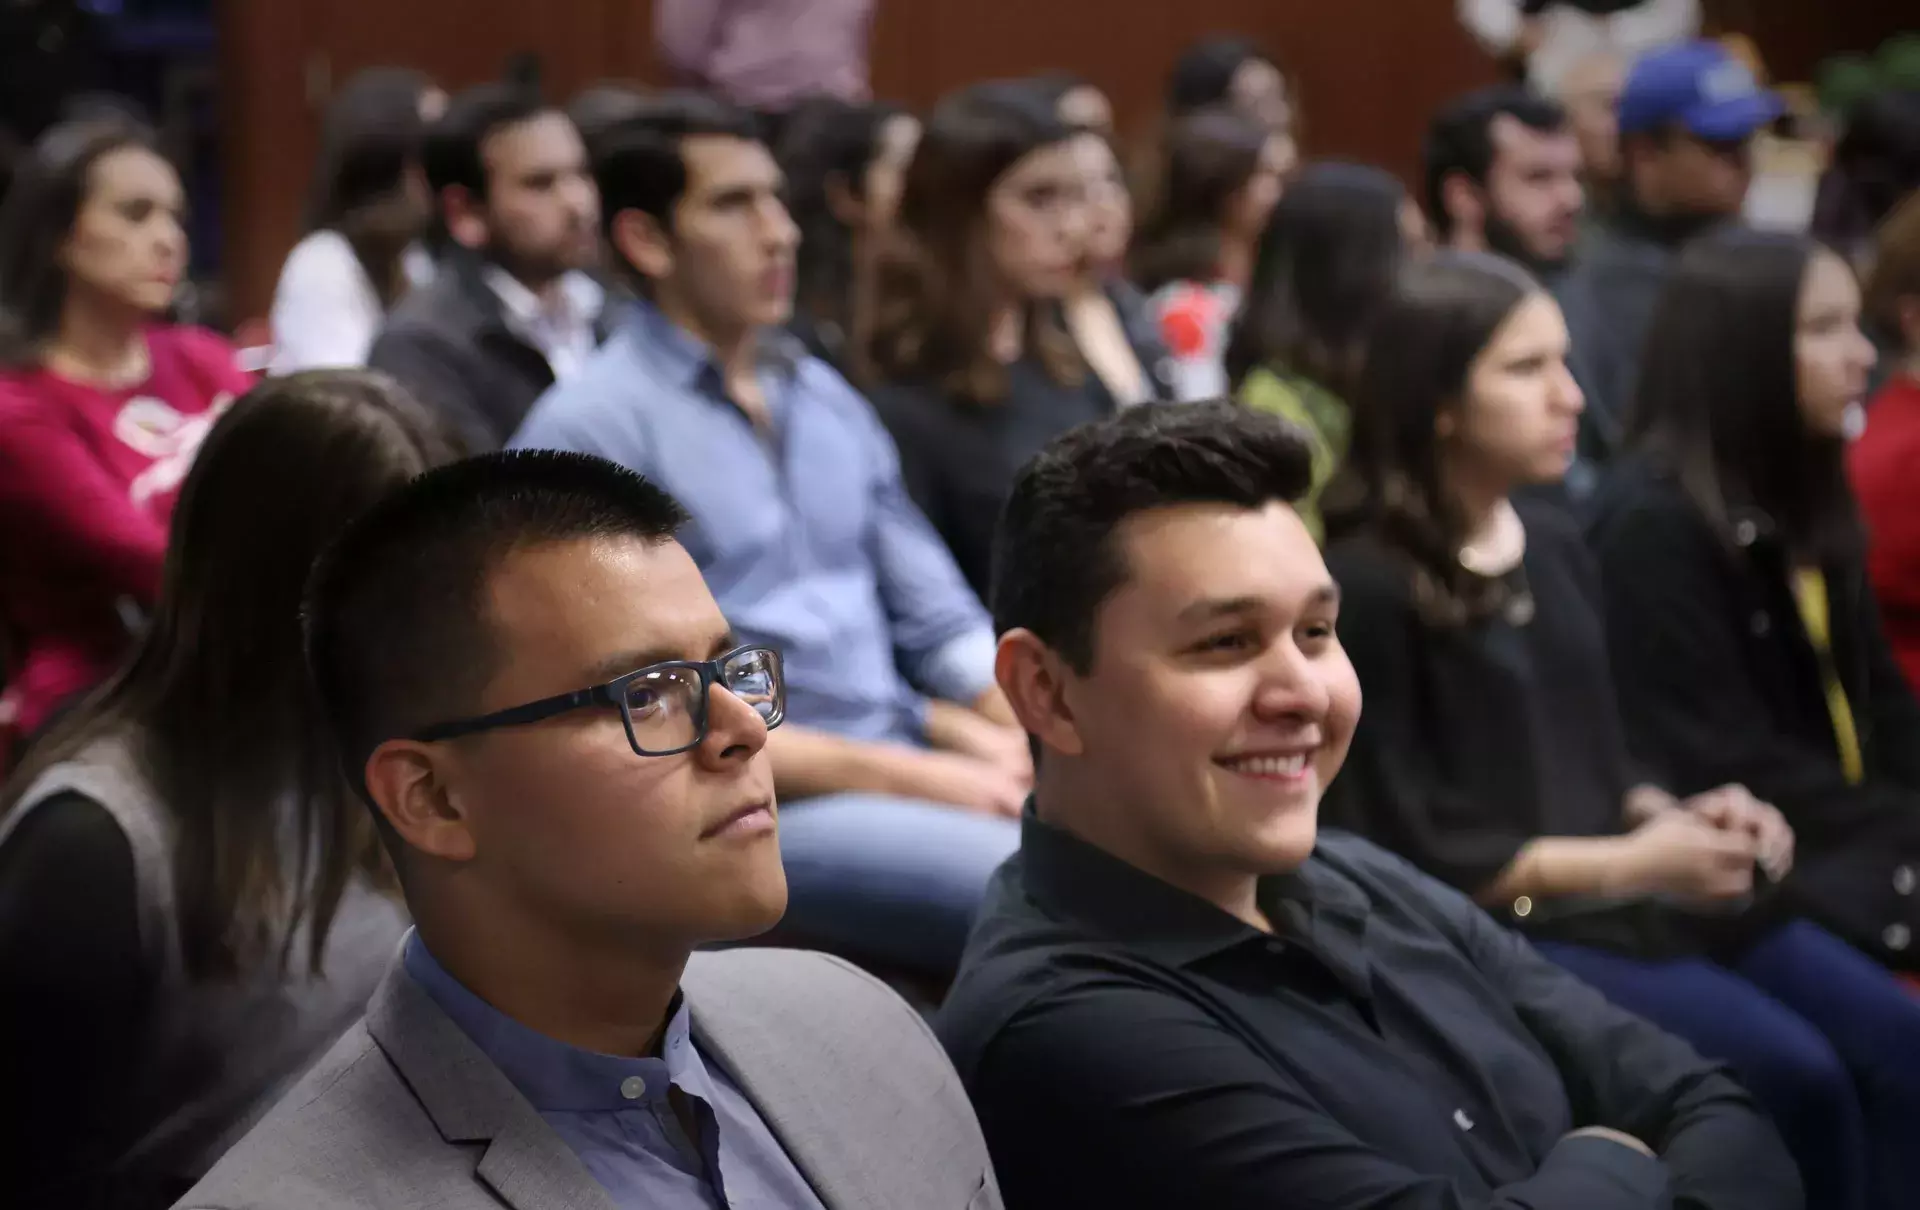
(665, 705)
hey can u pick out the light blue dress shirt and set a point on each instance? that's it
(616, 1116)
(806, 535)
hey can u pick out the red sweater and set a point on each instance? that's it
(1885, 467)
(87, 483)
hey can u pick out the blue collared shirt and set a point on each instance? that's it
(806, 535)
(616, 1116)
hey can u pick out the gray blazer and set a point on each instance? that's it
(405, 1111)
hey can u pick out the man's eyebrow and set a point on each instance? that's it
(1209, 608)
(632, 661)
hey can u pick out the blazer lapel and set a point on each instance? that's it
(471, 1101)
(761, 1063)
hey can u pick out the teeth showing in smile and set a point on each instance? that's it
(1270, 766)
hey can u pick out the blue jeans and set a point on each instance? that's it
(1822, 1035)
(892, 880)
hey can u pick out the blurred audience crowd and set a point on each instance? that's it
(748, 646)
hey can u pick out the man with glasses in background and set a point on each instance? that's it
(564, 746)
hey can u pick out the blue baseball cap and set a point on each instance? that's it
(1700, 87)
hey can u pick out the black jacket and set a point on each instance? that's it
(450, 344)
(1719, 683)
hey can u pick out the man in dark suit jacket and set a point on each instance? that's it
(512, 310)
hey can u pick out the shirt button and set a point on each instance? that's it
(1523, 906)
(1761, 624)
(1744, 533)
(1903, 880)
(633, 1088)
(1897, 936)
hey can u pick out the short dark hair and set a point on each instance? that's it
(1203, 74)
(638, 161)
(1055, 557)
(397, 635)
(1460, 138)
(450, 154)
(1717, 404)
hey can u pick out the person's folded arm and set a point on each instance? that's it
(1626, 1074)
(1129, 1087)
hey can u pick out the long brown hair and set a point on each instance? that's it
(935, 294)
(43, 202)
(1210, 156)
(215, 698)
(1418, 359)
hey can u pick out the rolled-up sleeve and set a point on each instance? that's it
(942, 636)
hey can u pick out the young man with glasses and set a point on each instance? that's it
(900, 764)
(565, 750)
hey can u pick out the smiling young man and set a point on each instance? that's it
(1179, 993)
(565, 747)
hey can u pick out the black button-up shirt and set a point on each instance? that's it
(1127, 1044)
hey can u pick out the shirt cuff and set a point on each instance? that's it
(961, 669)
(1595, 1172)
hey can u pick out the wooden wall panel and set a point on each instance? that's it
(281, 58)
(1368, 71)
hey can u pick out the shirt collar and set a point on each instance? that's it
(688, 360)
(556, 1077)
(1315, 907)
(577, 300)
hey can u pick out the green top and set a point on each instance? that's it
(1319, 413)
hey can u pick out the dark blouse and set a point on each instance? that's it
(1474, 740)
(959, 458)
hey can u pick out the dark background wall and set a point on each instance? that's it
(1368, 71)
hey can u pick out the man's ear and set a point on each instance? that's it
(642, 242)
(1035, 680)
(407, 781)
(1466, 209)
(466, 220)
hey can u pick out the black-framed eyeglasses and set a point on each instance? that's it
(663, 706)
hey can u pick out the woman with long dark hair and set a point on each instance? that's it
(845, 163)
(102, 406)
(973, 369)
(188, 912)
(1220, 175)
(367, 210)
(1493, 753)
(1326, 264)
(1744, 634)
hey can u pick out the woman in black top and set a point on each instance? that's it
(1492, 754)
(192, 906)
(1744, 636)
(844, 164)
(973, 368)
